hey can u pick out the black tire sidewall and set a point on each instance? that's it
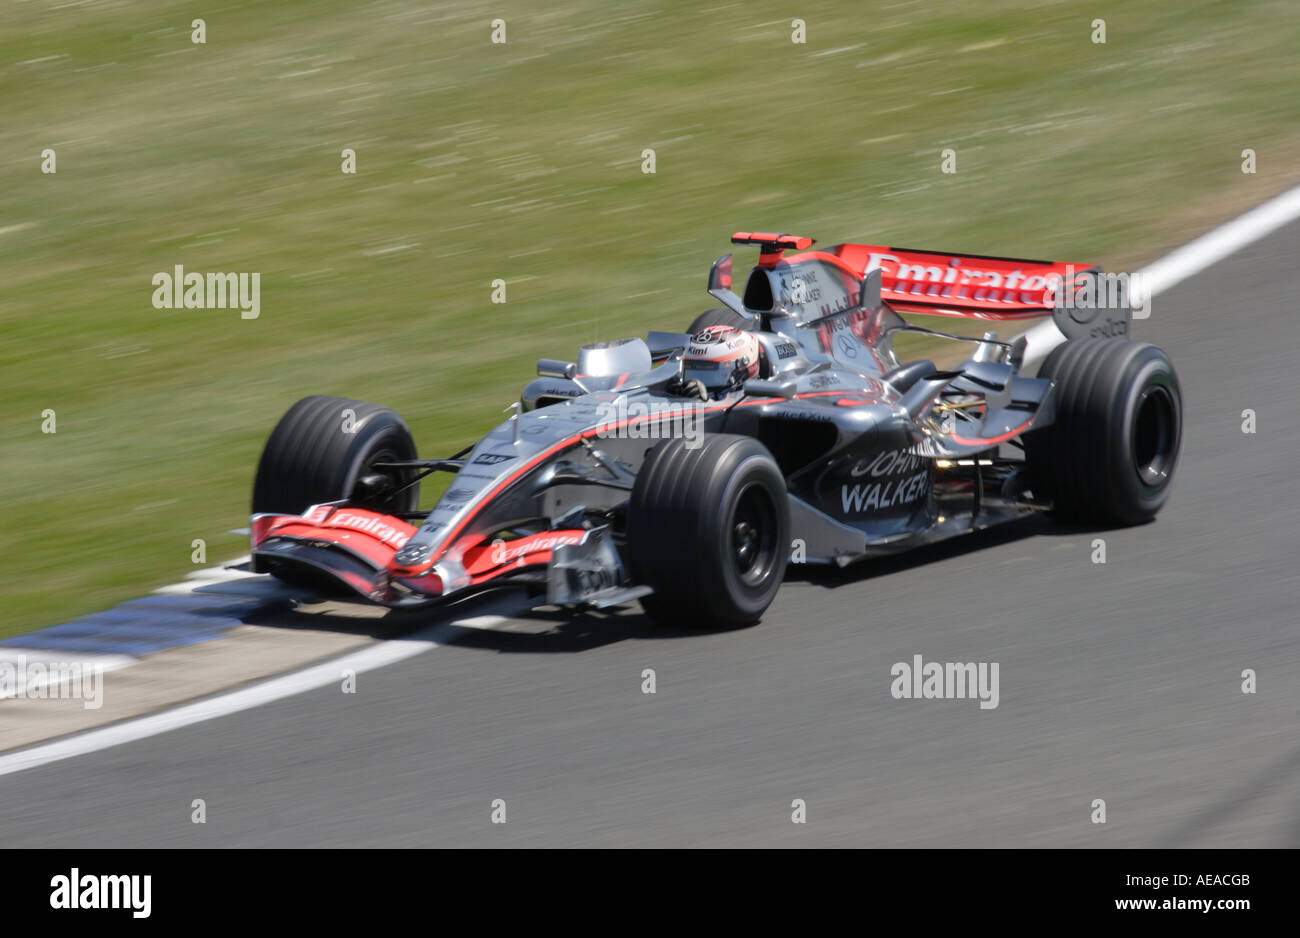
(310, 459)
(1084, 462)
(679, 531)
(735, 598)
(1142, 376)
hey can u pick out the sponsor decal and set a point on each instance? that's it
(559, 390)
(888, 463)
(891, 480)
(799, 289)
(376, 527)
(505, 552)
(803, 414)
(848, 348)
(458, 496)
(953, 278)
(716, 335)
(958, 281)
(1110, 329)
(843, 303)
(786, 350)
(877, 496)
(492, 459)
(413, 553)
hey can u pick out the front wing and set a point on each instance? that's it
(355, 547)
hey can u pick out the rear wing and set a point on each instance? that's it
(817, 284)
(973, 286)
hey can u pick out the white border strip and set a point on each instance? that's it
(330, 673)
(57, 665)
(1190, 259)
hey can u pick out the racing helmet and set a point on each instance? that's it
(720, 357)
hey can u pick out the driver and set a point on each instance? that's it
(717, 360)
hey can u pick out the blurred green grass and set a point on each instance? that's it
(521, 161)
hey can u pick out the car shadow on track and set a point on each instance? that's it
(555, 631)
(830, 577)
(503, 623)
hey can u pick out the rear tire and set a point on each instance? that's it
(1111, 453)
(709, 529)
(719, 317)
(323, 450)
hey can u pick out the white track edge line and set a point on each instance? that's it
(1191, 258)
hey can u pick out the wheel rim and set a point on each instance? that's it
(374, 488)
(1155, 436)
(753, 535)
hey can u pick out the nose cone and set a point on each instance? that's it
(428, 583)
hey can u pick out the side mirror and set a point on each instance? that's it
(756, 387)
(720, 274)
(553, 368)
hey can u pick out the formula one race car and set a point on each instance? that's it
(687, 469)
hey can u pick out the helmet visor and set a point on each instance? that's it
(712, 375)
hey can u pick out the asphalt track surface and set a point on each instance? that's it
(1119, 681)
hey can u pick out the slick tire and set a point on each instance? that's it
(709, 529)
(719, 317)
(325, 449)
(1109, 457)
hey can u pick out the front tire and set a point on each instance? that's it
(1111, 453)
(709, 529)
(324, 449)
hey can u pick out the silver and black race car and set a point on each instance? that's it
(686, 470)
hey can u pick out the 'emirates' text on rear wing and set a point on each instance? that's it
(968, 285)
